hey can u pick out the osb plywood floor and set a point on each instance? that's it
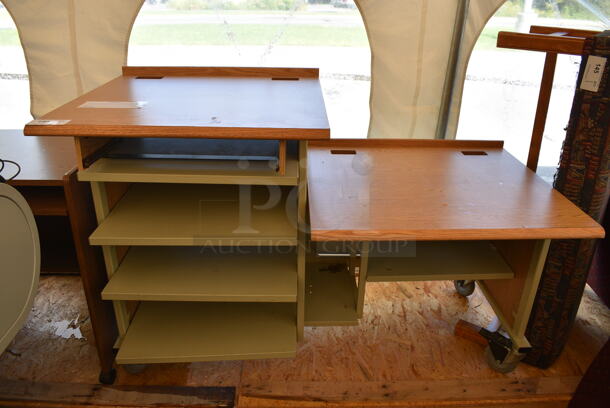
(403, 353)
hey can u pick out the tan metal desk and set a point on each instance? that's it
(473, 211)
(173, 300)
(454, 210)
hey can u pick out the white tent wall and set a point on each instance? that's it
(74, 46)
(479, 13)
(71, 46)
(410, 43)
(410, 47)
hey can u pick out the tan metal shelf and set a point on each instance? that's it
(330, 296)
(449, 260)
(164, 332)
(232, 274)
(190, 171)
(188, 214)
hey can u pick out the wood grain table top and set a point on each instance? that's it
(241, 103)
(380, 190)
(43, 160)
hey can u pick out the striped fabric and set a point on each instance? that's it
(582, 177)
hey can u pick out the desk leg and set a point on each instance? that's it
(301, 270)
(281, 159)
(302, 234)
(364, 263)
(93, 274)
(512, 300)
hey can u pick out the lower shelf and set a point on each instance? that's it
(451, 260)
(330, 296)
(233, 274)
(180, 332)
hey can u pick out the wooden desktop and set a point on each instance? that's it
(471, 211)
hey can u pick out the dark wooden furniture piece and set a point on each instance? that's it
(45, 173)
(65, 217)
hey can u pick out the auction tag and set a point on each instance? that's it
(113, 104)
(47, 122)
(593, 73)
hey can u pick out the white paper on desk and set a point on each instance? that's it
(48, 122)
(113, 104)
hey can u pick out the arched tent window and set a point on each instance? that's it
(14, 84)
(502, 85)
(293, 33)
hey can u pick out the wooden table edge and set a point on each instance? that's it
(330, 143)
(203, 71)
(36, 183)
(177, 132)
(458, 235)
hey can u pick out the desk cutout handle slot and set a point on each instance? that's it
(149, 77)
(342, 151)
(284, 79)
(474, 153)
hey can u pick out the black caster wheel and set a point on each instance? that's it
(504, 367)
(464, 288)
(108, 377)
(135, 368)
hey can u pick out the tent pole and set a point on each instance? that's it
(458, 32)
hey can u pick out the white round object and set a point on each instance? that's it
(19, 262)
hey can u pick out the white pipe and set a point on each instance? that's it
(525, 18)
(494, 325)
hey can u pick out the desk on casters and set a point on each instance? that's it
(442, 210)
(173, 154)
